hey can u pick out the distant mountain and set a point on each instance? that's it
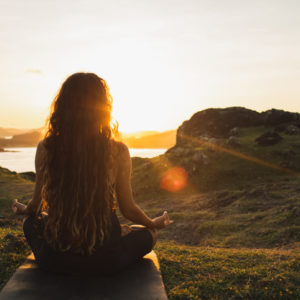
(164, 139)
(138, 134)
(4, 132)
(142, 139)
(29, 139)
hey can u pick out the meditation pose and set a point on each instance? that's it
(82, 173)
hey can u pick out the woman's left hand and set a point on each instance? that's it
(125, 229)
(18, 208)
(162, 221)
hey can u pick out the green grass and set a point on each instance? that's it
(232, 222)
(218, 273)
(13, 251)
(13, 248)
(236, 200)
(228, 167)
(12, 185)
(263, 215)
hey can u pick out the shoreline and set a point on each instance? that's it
(21, 159)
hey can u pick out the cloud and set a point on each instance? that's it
(34, 71)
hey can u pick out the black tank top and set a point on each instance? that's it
(116, 227)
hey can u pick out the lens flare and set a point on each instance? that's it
(174, 179)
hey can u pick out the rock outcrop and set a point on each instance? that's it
(227, 122)
(28, 175)
(274, 117)
(233, 141)
(268, 139)
(214, 122)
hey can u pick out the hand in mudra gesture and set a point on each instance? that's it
(17, 207)
(125, 229)
(162, 221)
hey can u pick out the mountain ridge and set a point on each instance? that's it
(142, 139)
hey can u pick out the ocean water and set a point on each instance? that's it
(22, 159)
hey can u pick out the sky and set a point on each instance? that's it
(163, 60)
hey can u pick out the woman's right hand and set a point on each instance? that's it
(162, 221)
(18, 208)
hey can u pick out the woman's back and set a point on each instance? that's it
(116, 157)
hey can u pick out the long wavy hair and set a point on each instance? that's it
(75, 189)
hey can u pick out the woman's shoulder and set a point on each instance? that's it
(40, 154)
(41, 143)
(120, 155)
(40, 148)
(119, 148)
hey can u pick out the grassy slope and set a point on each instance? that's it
(226, 168)
(231, 202)
(211, 273)
(264, 216)
(13, 248)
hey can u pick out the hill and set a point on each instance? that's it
(231, 184)
(142, 139)
(28, 139)
(223, 151)
(164, 139)
(138, 134)
(5, 132)
(188, 272)
(233, 191)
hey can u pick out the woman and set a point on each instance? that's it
(72, 225)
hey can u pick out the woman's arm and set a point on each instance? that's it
(128, 207)
(34, 205)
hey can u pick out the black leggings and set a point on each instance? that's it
(108, 259)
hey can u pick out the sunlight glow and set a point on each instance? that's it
(162, 61)
(174, 179)
(240, 155)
